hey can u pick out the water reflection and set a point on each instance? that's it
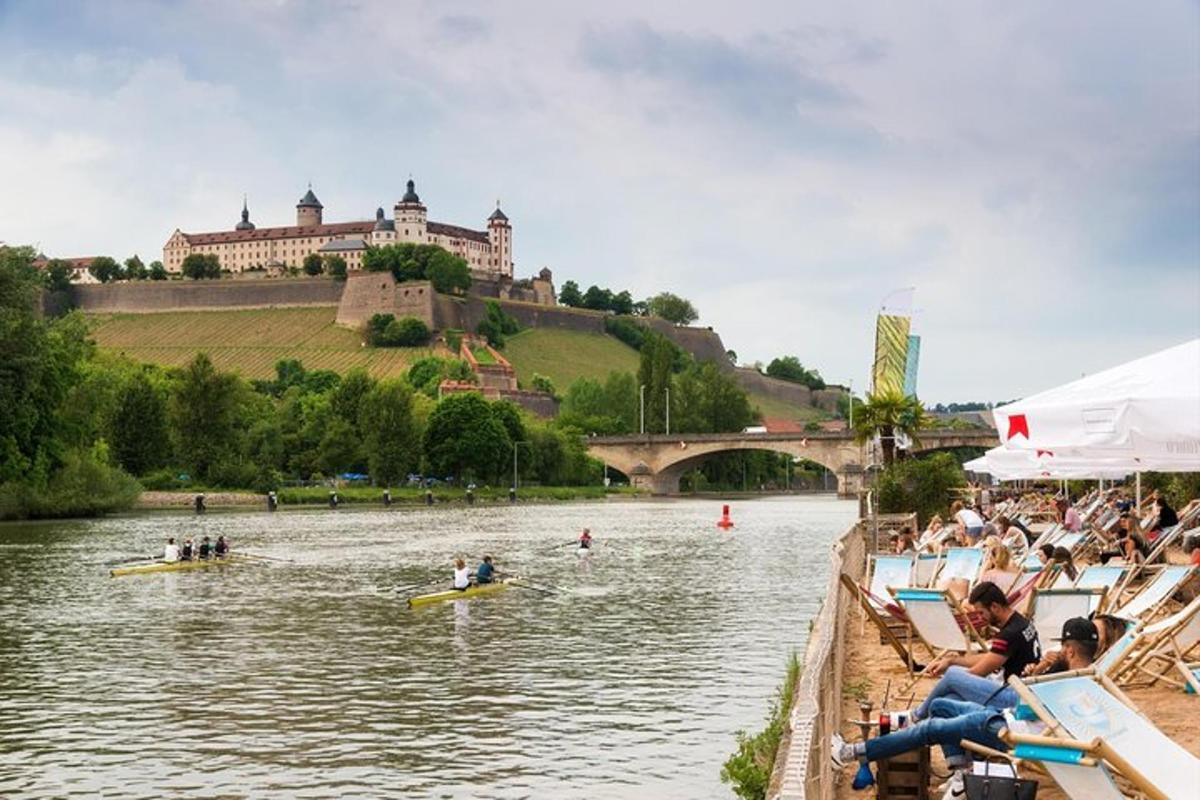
(312, 679)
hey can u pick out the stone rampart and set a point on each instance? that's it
(754, 381)
(703, 343)
(371, 293)
(146, 297)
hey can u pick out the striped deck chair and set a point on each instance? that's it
(1094, 717)
(888, 571)
(939, 621)
(1170, 536)
(961, 563)
(1100, 576)
(1075, 767)
(1163, 648)
(926, 568)
(1050, 608)
(870, 607)
(1146, 603)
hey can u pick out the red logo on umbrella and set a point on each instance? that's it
(1018, 424)
(1041, 453)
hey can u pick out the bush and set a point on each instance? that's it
(84, 487)
(626, 330)
(496, 325)
(163, 480)
(922, 485)
(541, 383)
(384, 330)
(454, 340)
(748, 770)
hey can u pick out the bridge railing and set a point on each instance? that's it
(802, 770)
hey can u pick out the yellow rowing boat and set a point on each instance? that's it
(175, 566)
(474, 590)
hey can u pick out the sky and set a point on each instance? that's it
(1031, 168)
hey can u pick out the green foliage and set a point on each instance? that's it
(425, 375)
(85, 486)
(606, 408)
(313, 264)
(886, 415)
(569, 295)
(654, 373)
(496, 324)
(135, 270)
(597, 299)
(335, 265)
(509, 415)
(923, 485)
(139, 431)
(58, 276)
(157, 271)
(204, 416)
(707, 400)
(540, 383)
(628, 331)
(391, 435)
(105, 269)
(748, 770)
(789, 368)
(454, 340)
(198, 266)
(1179, 488)
(384, 330)
(413, 262)
(672, 308)
(464, 438)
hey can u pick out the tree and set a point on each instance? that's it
(157, 271)
(198, 266)
(923, 485)
(346, 400)
(569, 294)
(105, 269)
(622, 303)
(672, 308)
(135, 270)
(888, 415)
(464, 438)
(597, 299)
(789, 368)
(391, 436)
(654, 374)
(58, 276)
(509, 415)
(448, 273)
(496, 324)
(139, 434)
(732, 356)
(204, 407)
(313, 265)
(540, 383)
(707, 400)
(335, 265)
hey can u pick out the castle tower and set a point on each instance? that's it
(308, 210)
(384, 231)
(245, 224)
(500, 237)
(410, 217)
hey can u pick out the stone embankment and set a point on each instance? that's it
(186, 500)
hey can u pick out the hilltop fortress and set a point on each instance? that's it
(247, 247)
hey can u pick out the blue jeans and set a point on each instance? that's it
(950, 722)
(959, 684)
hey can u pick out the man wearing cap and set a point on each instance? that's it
(950, 722)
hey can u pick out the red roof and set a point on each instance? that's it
(332, 229)
(782, 425)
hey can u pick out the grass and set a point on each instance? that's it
(250, 341)
(483, 356)
(770, 407)
(563, 355)
(408, 495)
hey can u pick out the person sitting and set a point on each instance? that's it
(462, 575)
(1014, 647)
(1165, 517)
(1130, 545)
(485, 572)
(205, 548)
(171, 551)
(903, 542)
(998, 567)
(1052, 556)
(1108, 630)
(949, 722)
(585, 539)
(187, 552)
(1072, 521)
(1192, 547)
(221, 548)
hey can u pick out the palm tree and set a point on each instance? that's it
(886, 415)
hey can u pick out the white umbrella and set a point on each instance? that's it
(1145, 413)
(1007, 464)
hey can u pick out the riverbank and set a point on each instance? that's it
(318, 496)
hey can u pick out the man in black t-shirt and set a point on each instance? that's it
(1014, 647)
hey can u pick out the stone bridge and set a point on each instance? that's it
(656, 461)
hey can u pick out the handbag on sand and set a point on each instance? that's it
(1000, 787)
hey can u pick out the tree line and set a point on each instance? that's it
(666, 305)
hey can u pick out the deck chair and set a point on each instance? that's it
(926, 567)
(961, 563)
(1094, 716)
(1050, 608)
(1100, 576)
(1071, 541)
(935, 615)
(871, 607)
(1169, 536)
(1163, 648)
(1074, 767)
(887, 571)
(1154, 594)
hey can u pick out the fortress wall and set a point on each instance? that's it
(144, 297)
(703, 343)
(754, 381)
(828, 398)
(371, 293)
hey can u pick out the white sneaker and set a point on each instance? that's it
(956, 787)
(836, 745)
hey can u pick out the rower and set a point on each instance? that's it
(485, 572)
(221, 549)
(585, 539)
(171, 551)
(205, 549)
(462, 575)
(185, 554)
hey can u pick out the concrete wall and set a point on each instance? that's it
(144, 297)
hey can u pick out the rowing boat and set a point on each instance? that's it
(175, 566)
(474, 590)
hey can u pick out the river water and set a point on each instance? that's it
(313, 678)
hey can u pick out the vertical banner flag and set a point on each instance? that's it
(910, 365)
(891, 342)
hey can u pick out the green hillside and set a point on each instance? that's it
(250, 341)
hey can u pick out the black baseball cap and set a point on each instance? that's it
(1078, 629)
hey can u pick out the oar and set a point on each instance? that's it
(522, 585)
(129, 560)
(412, 587)
(264, 558)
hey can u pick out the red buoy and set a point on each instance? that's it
(725, 522)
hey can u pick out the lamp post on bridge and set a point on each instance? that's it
(668, 426)
(642, 407)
